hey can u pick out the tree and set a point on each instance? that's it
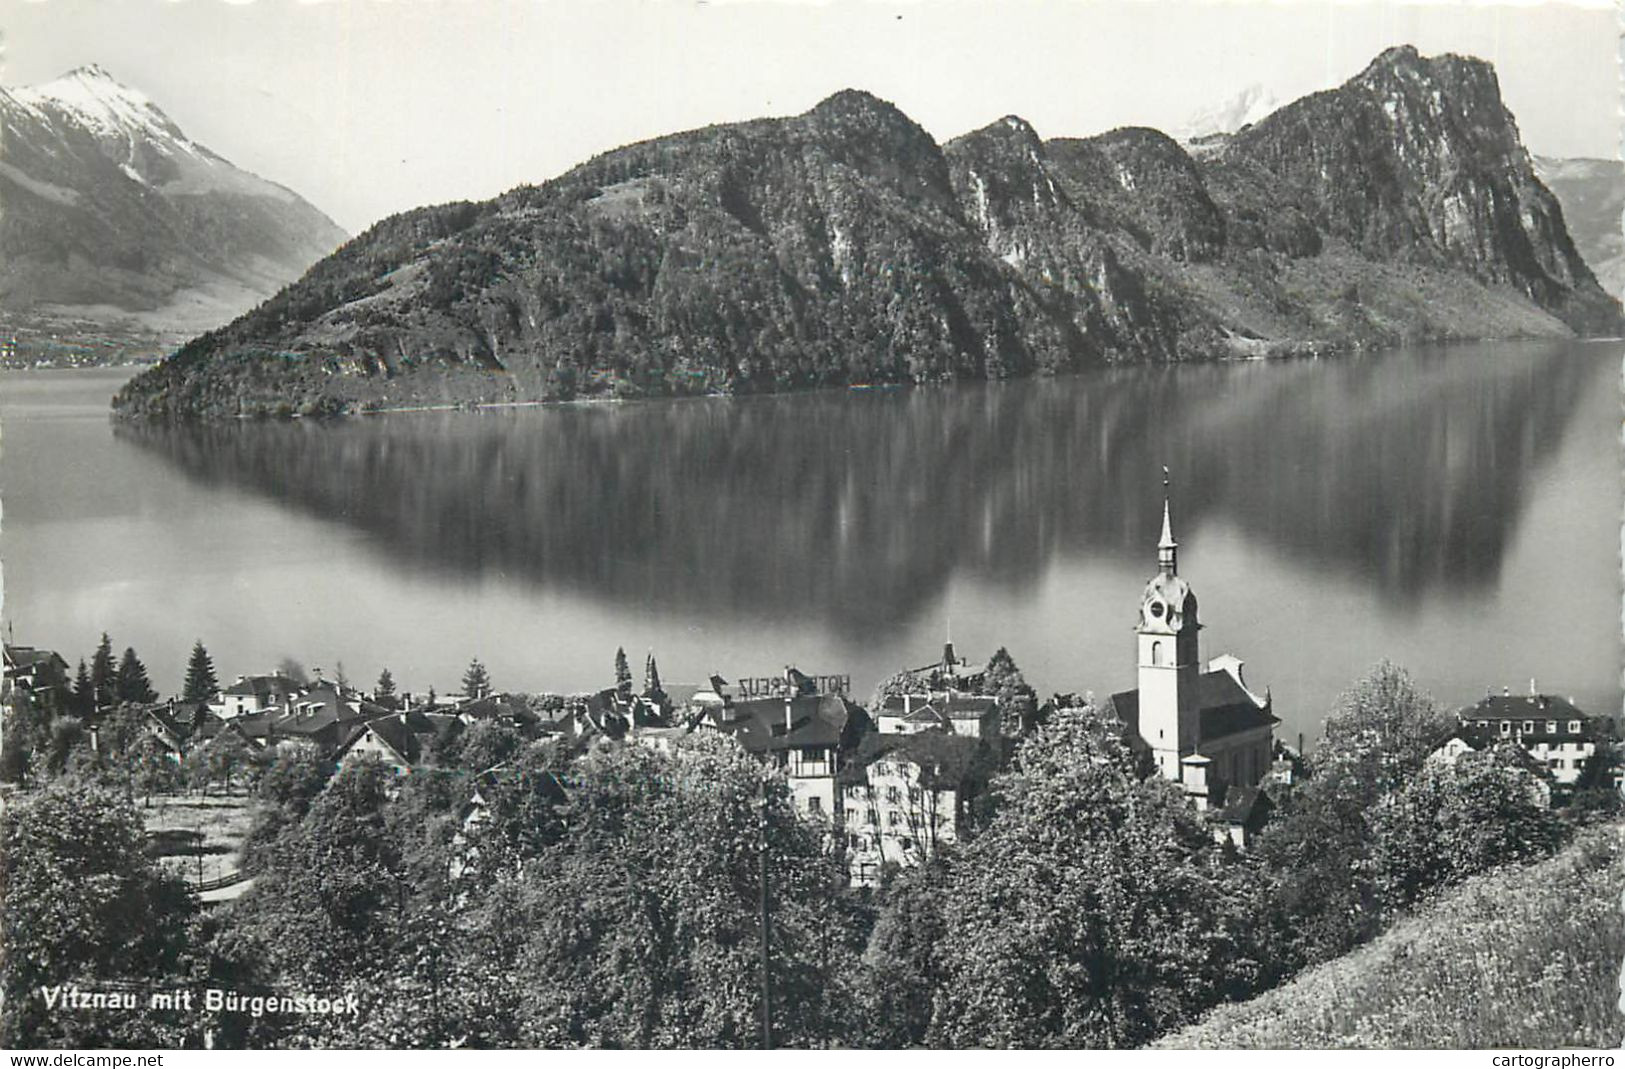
(623, 673)
(651, 681)
(83, 900)
(1384, 723)
(383, 692)
(201, 685)
(339, 677)
(132, 684)
(486, 744)
(294, 671)
(153, 768)
(84, 693)
(903, 966)
(326, 889)
(659, 859)
(1378, 735)
(476, 680)
(66, 736)
(1018, 705)
(104, 674)
(1095, 910)
(226, 753)
(1454, 820)
(293, 780)
(899, 684)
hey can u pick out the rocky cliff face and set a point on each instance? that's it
(105, 205)
(1417, 160)
(844, 246)
(1592, 193)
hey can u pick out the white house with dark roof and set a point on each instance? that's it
(248, 695)
(1555, 734)
(1203, 728)
(958, 713)
(807, 735)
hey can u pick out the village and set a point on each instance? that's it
(889, 783)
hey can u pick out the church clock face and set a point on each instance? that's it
(1157, 610)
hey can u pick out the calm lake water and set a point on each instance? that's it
(1454, 510)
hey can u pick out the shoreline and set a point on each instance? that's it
(1244, 351)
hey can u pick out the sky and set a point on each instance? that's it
(368, 108)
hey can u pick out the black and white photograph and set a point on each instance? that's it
(873, 524)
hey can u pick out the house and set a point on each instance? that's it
(40, 675)
(953, 672)
(394, 740)
(254, 694)
(1243, 815)
(1203, 729)
(1557, 736)
(904, 795)
(806, 735)
(320, 723)
(159, 721)
(973, 715)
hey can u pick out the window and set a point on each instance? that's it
(893, 795)
(1156, 653)
(893, 819)
(1574, 727)
(1528, 726)
(815, 805)
(1551, 727)
(1506, 727)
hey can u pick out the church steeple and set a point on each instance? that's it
(1170, 658)
(1167, 548)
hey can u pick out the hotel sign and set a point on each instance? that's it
(777, 686)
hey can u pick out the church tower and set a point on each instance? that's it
(1170, 661)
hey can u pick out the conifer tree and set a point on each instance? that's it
(201, 684)
(651, 681)
(623, 672)
(104, 674)
(132, 684)
(84, 697)
(476, 681)
(385, 687)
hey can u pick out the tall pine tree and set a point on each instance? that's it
(104, 674)
(84, 697)
(385, 688)
(651, 680)
(201, 685)
(476, 681)
(132, 684)
(623, 672)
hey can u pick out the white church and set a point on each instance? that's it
(1204, 729)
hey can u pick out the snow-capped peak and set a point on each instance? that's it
(1227, 116)
(96, 101)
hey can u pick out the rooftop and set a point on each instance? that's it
(1227, 708)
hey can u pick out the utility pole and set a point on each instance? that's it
(767, 974)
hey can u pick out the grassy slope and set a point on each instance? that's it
(1527, 957)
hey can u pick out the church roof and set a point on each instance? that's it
(1226, 707)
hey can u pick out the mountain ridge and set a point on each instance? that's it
(845, 246)
(112, 211)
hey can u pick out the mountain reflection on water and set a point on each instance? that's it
(1404, 471)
